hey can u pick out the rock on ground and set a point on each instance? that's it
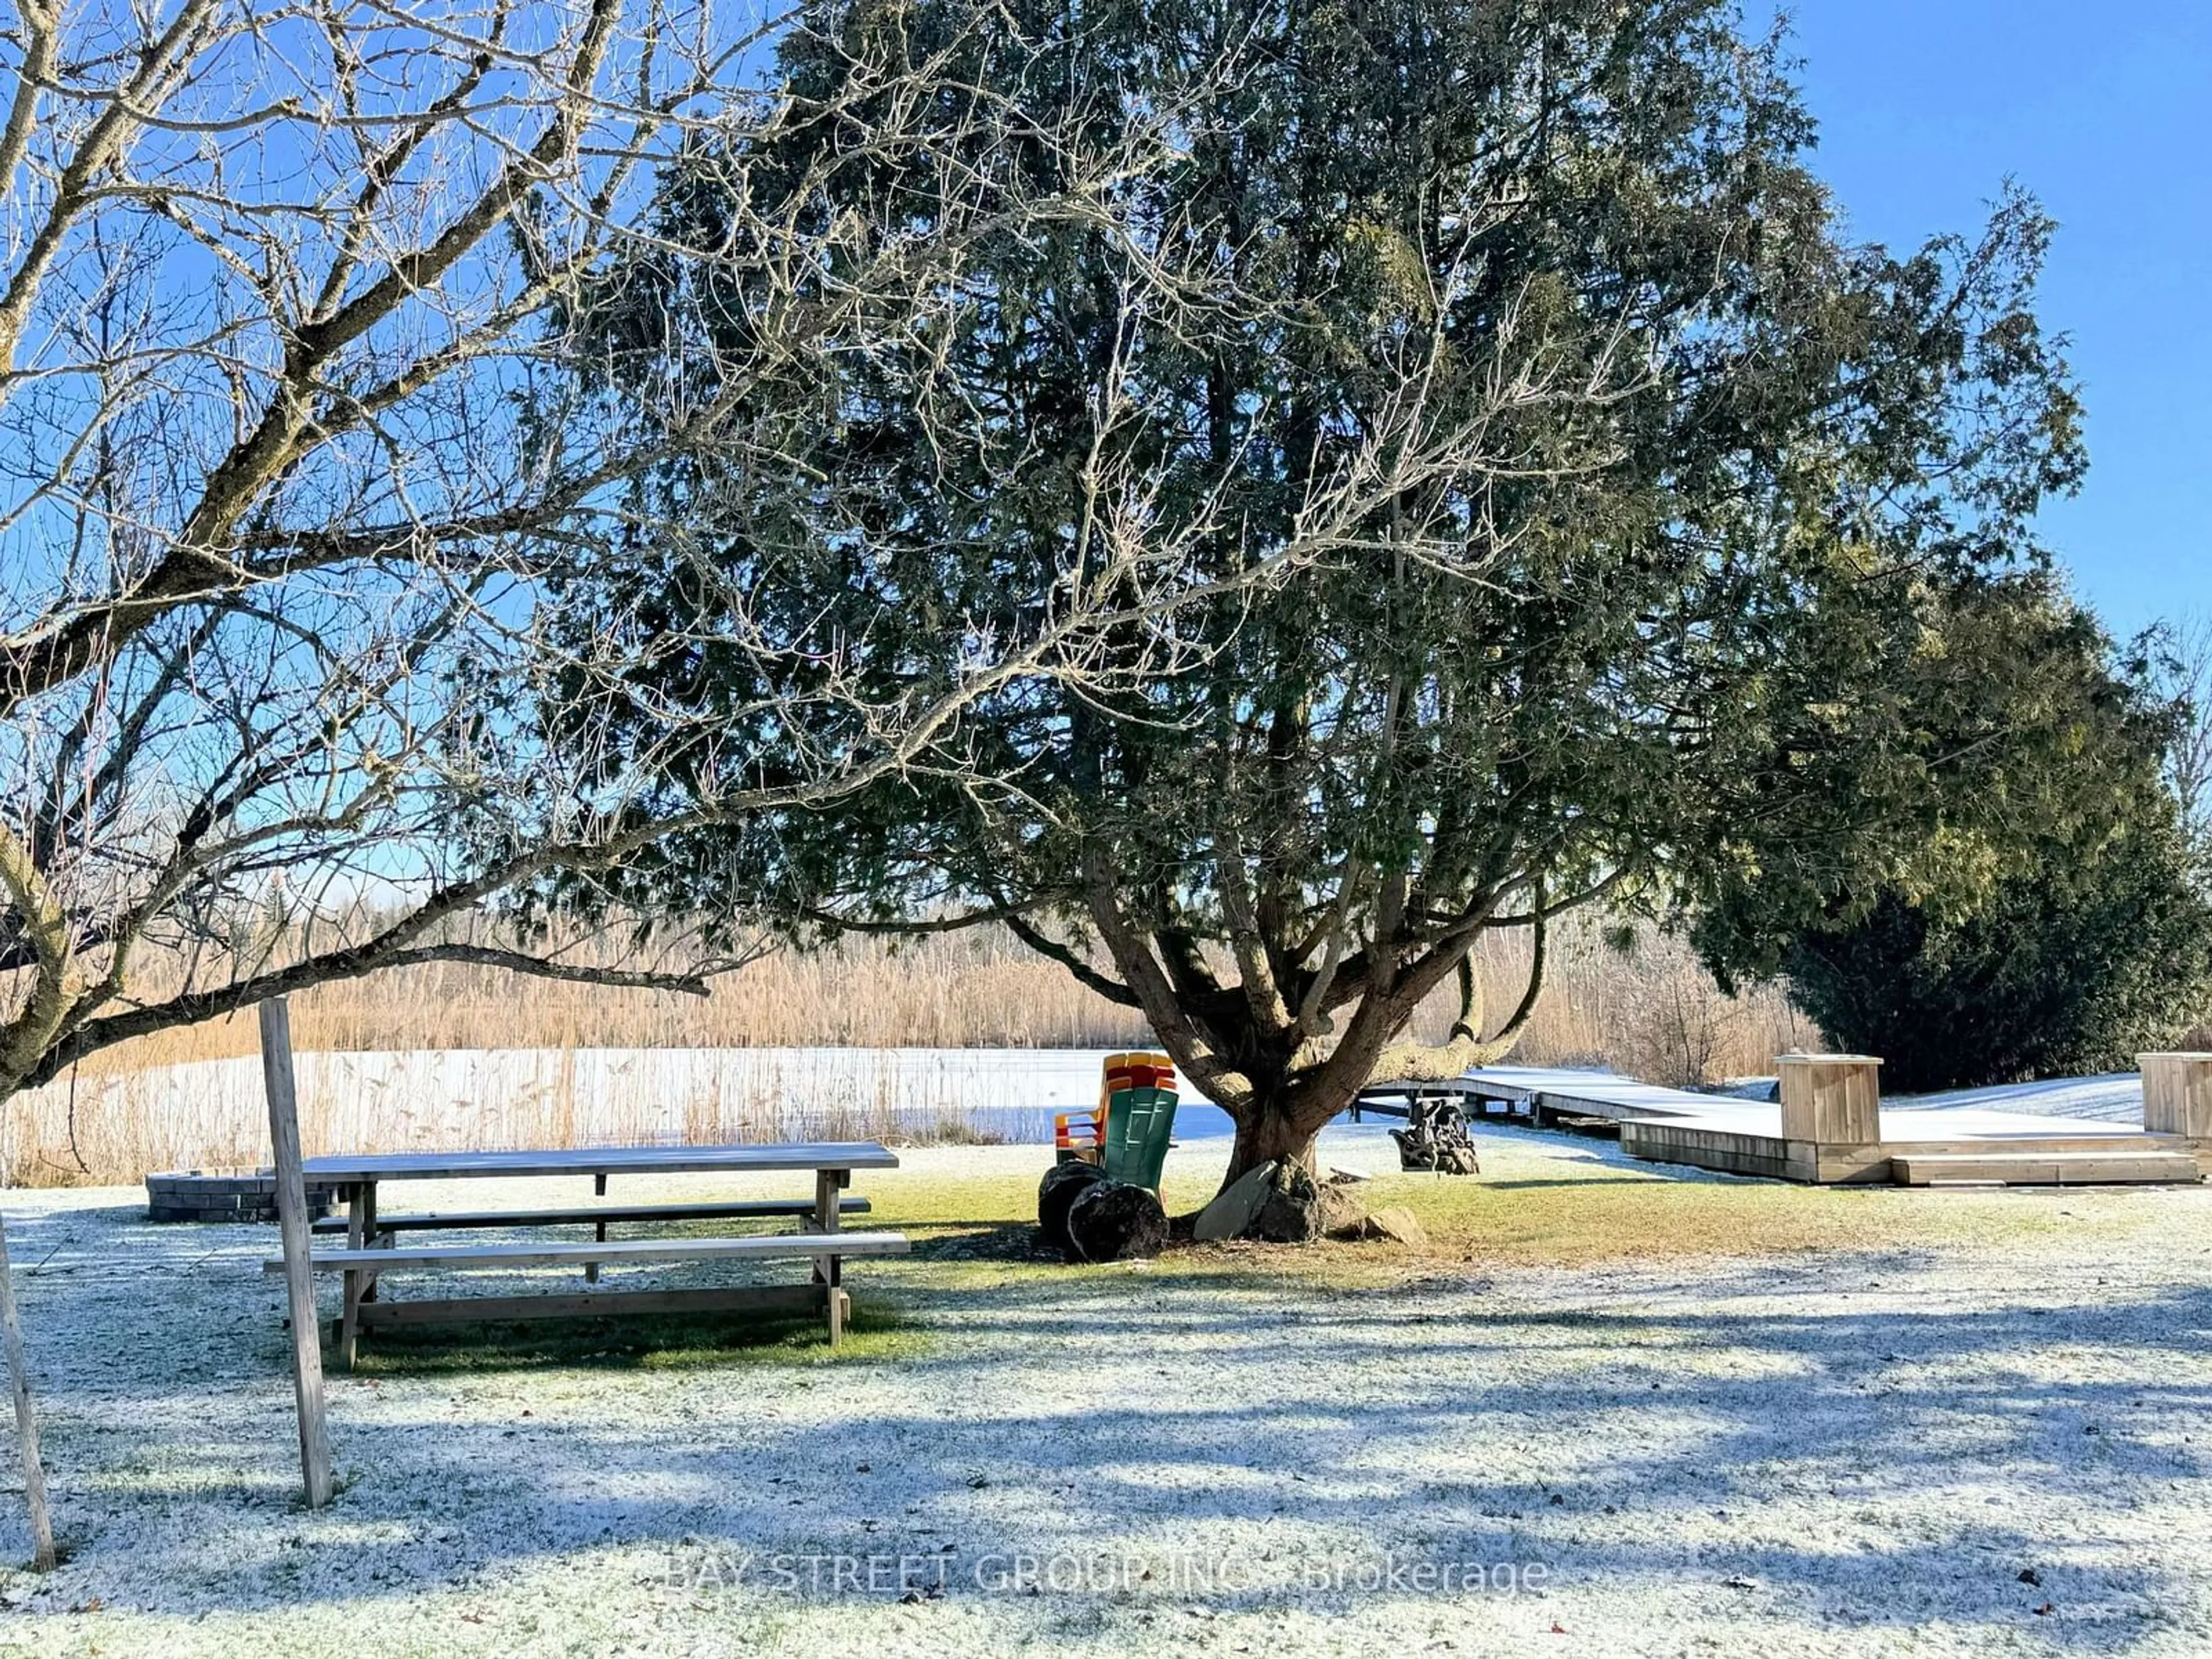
(1291, 1212)
(1342, 1210)
(1235, 1206)
(1397, 1224)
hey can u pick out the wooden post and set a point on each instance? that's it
(1831, 1100)
(26, 1426)
(828, 1187)
(2178, 1095)
(599, 1229)
(292, 1223)
(360, 1234)
(1831, 1118)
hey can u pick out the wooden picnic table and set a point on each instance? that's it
(373, 1249)
(354, 1169)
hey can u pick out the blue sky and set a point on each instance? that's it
(1925, 107)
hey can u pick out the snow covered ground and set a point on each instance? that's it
(2115, 1097)
(2111, 1104)
(1877, 1450)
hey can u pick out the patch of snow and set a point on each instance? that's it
(2095, 1106)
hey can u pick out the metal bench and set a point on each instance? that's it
(826, 1250)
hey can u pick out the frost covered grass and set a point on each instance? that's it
(1614, 1410)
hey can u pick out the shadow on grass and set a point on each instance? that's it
(1672, 1416)
(880, 1331)
(1581, 1183)
(1016, 1250)
(997, 1241)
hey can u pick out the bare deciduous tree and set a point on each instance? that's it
(303, 461)
(300, 461)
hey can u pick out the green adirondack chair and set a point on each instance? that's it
(1138, 1122)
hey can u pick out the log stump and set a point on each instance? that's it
(1115, 1221)
(1062, 1185)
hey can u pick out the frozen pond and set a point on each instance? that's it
(211, 1112)
(208, 1112)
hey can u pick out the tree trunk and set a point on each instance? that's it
(1273, 1130)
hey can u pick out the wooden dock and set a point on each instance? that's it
(1920, 1146)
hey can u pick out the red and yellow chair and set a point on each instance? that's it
(1136, 1095)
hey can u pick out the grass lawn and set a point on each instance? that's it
(1548, 1200)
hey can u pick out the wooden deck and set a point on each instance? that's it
(1921, 1143)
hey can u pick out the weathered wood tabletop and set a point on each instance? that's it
(348, 1169)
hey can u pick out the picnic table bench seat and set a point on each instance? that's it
(734, 1209)
(825, 1248)
(558, 1252)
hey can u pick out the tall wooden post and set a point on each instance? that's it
(1831, 1100)
(26, 1426)
(2178, 1095)
(1832, 1117)
(292, 1223)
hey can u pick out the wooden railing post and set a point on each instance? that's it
(1831, 1100)
(1831, 1116)
(292, 1223)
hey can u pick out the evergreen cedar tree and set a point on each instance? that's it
(2092, 945)
(1694, 587)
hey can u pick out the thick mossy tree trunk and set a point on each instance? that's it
(1281, 1119)
(1305, 1023)
(1273, 1131)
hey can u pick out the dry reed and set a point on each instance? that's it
(185, 1098)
